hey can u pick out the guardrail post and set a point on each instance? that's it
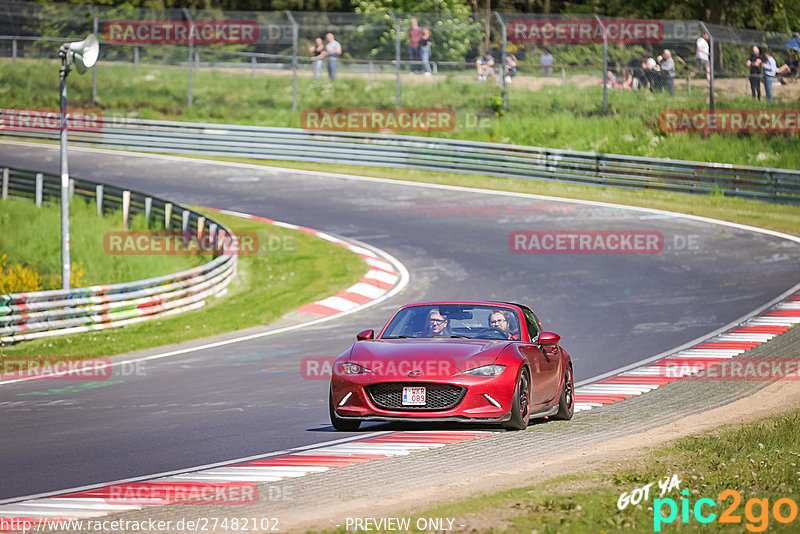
(563, 77)
(605, 65)
(253, 62)
(212, 233)
(148, 208)
(201, 222)
(99, 199)
(135, 58)
(71, 188)
(185, 221)
(167, 216)
(126, 208)
(13, 50)
(689, 81)
(39, 184)
(5, 183)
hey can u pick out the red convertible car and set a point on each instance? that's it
(481, 362)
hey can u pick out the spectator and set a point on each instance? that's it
(667, 66)
(789, 68)
(317, 51)
(627, 78)
(510, 67)
(414, 52)
(635, 68)
(332, 51)
(770, 70)
(425, 50)
(484, 66)
(651, 72)
(547, 63)
(755, 63)
(702, 55)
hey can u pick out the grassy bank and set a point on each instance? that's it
(269, 284)
(569, 118)
(31, 237)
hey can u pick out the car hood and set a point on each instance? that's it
(443, 357)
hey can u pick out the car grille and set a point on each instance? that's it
(389, 396)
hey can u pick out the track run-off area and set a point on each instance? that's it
(248, 401)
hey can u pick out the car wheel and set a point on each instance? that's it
(520, 405)
(343, 425)
(566, 404)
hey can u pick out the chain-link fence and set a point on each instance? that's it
(479, 66)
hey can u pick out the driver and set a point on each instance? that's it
(498, 320)
(437, 324)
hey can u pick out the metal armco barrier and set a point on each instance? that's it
(25, 316)
(434, 154)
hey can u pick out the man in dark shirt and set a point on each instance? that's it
(755, 63)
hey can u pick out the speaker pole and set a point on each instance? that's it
(65, 261)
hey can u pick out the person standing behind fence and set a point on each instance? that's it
(667, 65)
(755, 63)
(414, 52)
(425, 50)
(547, 63)
(770, 70)
(702, 55)
(332, 51)
(317, 52)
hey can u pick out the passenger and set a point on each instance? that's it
(437, 324)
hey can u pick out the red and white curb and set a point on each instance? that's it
(105, 500)
(743, 337)
(379, 280)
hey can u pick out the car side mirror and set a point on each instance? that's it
(549, 338)
(365, 335)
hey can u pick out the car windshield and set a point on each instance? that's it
(454, 320)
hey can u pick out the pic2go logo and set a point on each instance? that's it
(756, 511)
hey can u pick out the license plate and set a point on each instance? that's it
(414, 396)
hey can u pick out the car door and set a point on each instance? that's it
(545, 362)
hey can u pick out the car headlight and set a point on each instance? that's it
(353, 369)
(486, 370)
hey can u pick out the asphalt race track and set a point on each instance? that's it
(249, 398)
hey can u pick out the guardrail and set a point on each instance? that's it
(25, 316)
(436, 154)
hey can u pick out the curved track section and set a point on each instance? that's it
(249, 398)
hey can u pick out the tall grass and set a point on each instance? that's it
(31, 236)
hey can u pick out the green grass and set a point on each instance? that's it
(268, 285)
(759, 461)
(570, 118)
(32, 236)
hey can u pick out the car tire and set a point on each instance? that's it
(342, 425)
(520, 405)
(566, 403)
